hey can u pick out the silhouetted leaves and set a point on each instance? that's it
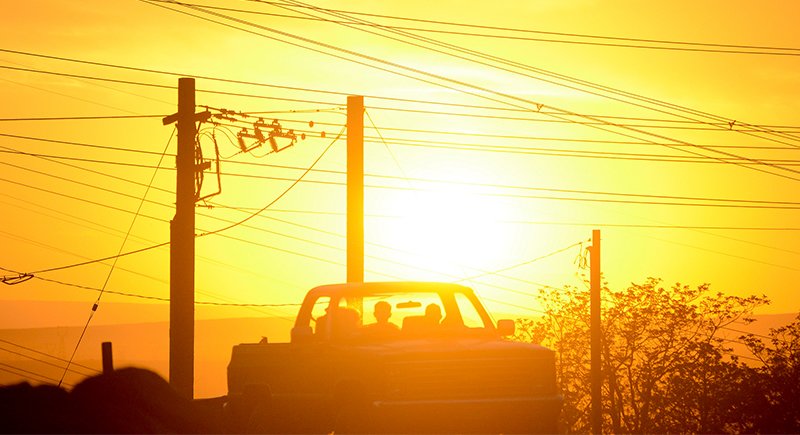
(668, 364)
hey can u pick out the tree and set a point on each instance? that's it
(666, 367)
(777, 384)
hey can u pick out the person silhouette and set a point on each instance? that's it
(382, 326)
(337, 323)
(433, 315)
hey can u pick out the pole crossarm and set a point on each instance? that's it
(198, 117)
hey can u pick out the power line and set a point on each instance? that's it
(33, 358)
(738, 203)
(550, 74)
(381, 176)
(38, 352)
(201, 257)
(460, 146)
(251, 304)
(234, 224)
(447, 145)
(653, 226)
(199, 235)
(540, 138)
(386, 260)
(240, 222)
(529, 137)
(88, 201)
(776, 51)
(724, 125)
(730, 123)
(100, 260)
(83, 144)
(27, 374)
(606, 155)
(159, 86)
(162, 72)
(717, 127)
(63, 216)
(503, 28)
(482, 108)
(151, 298)
(80, 118)
(727, 328)
(163, 299)
(57, 160)
(751, 205)
(165, 221)
(282, 193)
(116, 259)
(151, 247)
(549, 151)
(522, 307)
(538, 70)
(727, 254)
(555, 223)
(80, 183)
(524, 263)
(530, 68)
(477, 91)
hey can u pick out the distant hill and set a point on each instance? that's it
(139, 344)
(16, 314)
(147, 345)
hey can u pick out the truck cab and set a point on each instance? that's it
(394, 357)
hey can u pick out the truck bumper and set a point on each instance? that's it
(501, 415)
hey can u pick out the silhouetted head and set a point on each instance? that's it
(432, 311)
(383, 310)
(134, 400)
(346, 321)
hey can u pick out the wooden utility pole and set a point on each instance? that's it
(596, 334)
(181, 258)
(355, 188)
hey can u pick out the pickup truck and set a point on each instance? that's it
(399, 357)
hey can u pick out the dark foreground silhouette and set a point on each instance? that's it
(129, 400)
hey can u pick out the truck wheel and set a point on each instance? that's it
(249, 414)
(262, 419)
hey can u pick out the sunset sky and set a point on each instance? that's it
(468, 178)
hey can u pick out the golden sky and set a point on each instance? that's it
(504, 201)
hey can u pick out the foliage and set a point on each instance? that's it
(667, 366)
(777, 388)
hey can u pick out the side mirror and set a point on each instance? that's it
(302, 334)
(506, 327)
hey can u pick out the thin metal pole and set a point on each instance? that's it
(596, 335)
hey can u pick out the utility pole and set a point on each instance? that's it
(596, 334)
(355, 188)
(181, 236)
